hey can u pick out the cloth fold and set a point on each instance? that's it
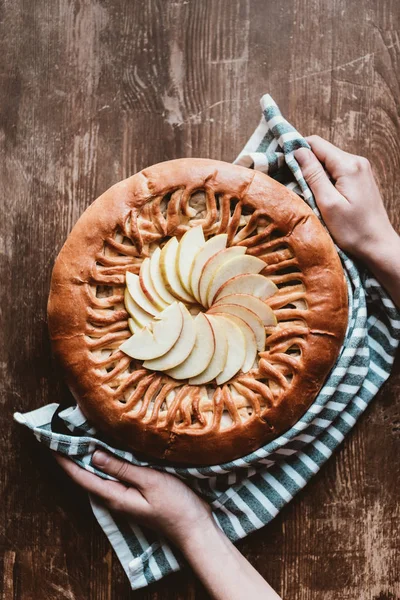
(247, 493)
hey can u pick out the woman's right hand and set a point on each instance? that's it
(352, 208)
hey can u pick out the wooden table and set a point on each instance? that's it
(91, 92)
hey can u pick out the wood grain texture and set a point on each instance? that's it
(92, 91)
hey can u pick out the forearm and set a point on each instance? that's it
(223, 570)
(383, 261)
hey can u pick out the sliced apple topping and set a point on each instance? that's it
(181, 349)
(158, 282)
(181, 340)
(254, 304)
(168, 260)
(212, 266)
(137, 314)
(253, 284)
(158, 337)
(133, 326)
(211, 247)
(236, 352)
(146, 283)
(236, 266)
(138, 295)
(189, 245)
(250, 338)
(201, 354)
(248, 317)
(218, 360)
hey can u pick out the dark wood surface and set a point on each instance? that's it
(92, 91)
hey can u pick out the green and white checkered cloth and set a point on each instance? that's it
(248, 493)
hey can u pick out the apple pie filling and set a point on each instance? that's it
(224, 282)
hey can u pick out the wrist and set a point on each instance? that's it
(202, 538)
(382, 254)
(222, 568)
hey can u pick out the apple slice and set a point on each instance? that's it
(248, 317)
(211, 247)
(133, 326)
(158, 282)
(181, 350)
(148, 288)
(138, 315)
(157, 337)
(236, 350)
(137, 294)
(218, 361)
(258, 307)
(212, 265)
(255, 285)
(236, 266)
(251, 344)
(189, 245)
(202, 353)
(169, 274)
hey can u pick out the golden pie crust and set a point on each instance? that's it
(149, 412)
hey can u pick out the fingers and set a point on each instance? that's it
(337, 162)
(122, 470)
(315, 176)
(115, 494)
(89, 481)
(332, 157)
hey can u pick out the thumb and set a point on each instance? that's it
(315, 176)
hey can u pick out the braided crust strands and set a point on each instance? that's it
(148, 411)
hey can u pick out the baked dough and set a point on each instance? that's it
(147, 411)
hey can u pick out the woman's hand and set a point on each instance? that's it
(163, 502)
(352, 208)
(154, 499)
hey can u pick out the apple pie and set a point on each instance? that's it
(197, 309)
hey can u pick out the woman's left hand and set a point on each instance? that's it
(163, 502)
(154, 499)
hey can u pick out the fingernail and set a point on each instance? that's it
(100, 458)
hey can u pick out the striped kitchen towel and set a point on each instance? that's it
(247, 493)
